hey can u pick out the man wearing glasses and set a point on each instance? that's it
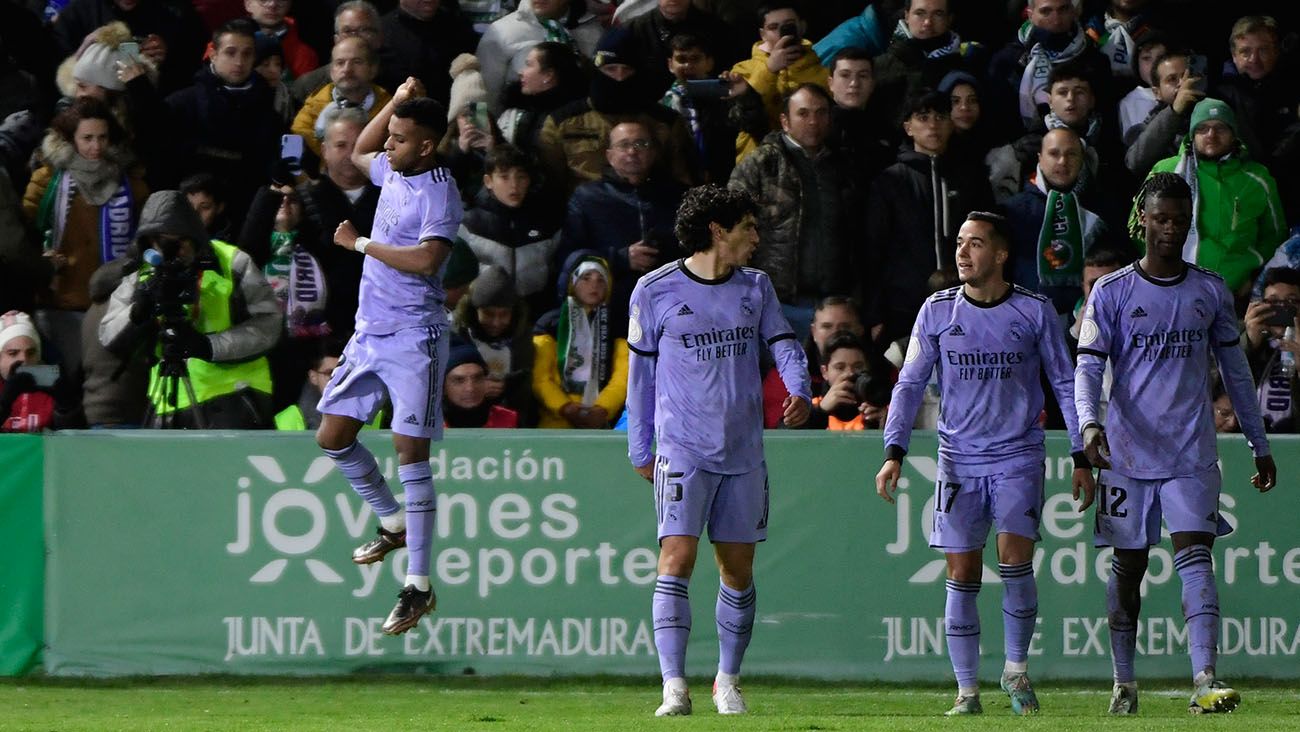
(1271, 326)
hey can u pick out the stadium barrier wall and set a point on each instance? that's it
(23, 568)
(230, 553)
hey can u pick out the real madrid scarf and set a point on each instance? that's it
(1038, 66)
(1187, 168)
(1067, 230)
(582, 351)
(298, 282)
(116, 216)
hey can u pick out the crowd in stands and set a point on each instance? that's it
(172, 173)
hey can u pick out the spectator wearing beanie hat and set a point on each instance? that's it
(94, 72)
(170, 33)
(464, 401)
(268, 62)
(470, 132)
(495, 322)
(1237, 218)
(25, 405)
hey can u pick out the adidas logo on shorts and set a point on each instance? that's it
(1138, 312)
(686, 310)
(410, 419)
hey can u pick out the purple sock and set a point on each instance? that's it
(735, 614)
(671, 611)
(1200, 605)
(1123, 606)
(421, 508)
(962, 624)
(358, 465)
(1019, 608)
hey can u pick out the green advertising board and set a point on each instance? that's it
(230, 553)
(24, 566)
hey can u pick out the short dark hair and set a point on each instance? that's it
(239, 26)
(841, 340)
(924, 100)
(998, 222)
(835, 301)
(607, 139)
(1170, 53)
(710, 204)
(1069, 71)
(1281, 276)
(1105, 257)
(815, 89)
(688, 41)
(853, 54)
(425, 113)
(206, 183)
(331, 346)
(506, 156)
(770, 7)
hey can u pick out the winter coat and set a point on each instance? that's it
(571, 144)
(771, 178)
(652, 33)
(235, 135)
(326, 205)
(1239, 217)
(22, 268)
(115, 389)
(609, 215)
(917, 205)
(70, 286)
(862, 31)
(423, 49)
(905, 68)
(506, 43)
(305, 122)
(255, 312)
(176, 23)
(1156, 138)
(772, 88)
(522, 241)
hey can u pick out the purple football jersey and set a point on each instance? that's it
(411, 209)
(989, 357)
(694, 385)
(1159, 336)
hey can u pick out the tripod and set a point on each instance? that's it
(173, 373)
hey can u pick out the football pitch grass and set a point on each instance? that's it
(614, 704)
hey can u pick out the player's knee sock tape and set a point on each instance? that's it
(1200, 605)
(1123, 607)
(421, 509)
(358, 465)
(671, 612)
(1019, 608)
(735, 616)
(962, 624)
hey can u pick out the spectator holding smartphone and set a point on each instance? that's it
(1271, 326)
(32, 396)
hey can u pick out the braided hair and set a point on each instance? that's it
(1157, 185)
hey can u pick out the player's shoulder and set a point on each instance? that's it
(1199, 272)
(1018, 291)
(659, 278)
(944, 296)
(1119, 277)
(753, 275)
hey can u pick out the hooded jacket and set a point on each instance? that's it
(423, 49)
(254, 311)
(1239, 215)
(522, 241)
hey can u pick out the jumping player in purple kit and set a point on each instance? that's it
(989, 340)
(696, 330)
(399, 350)
(1158, 321)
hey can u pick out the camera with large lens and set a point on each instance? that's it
(172, 285)
(867, 389)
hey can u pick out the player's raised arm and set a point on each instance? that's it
(370, 143)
